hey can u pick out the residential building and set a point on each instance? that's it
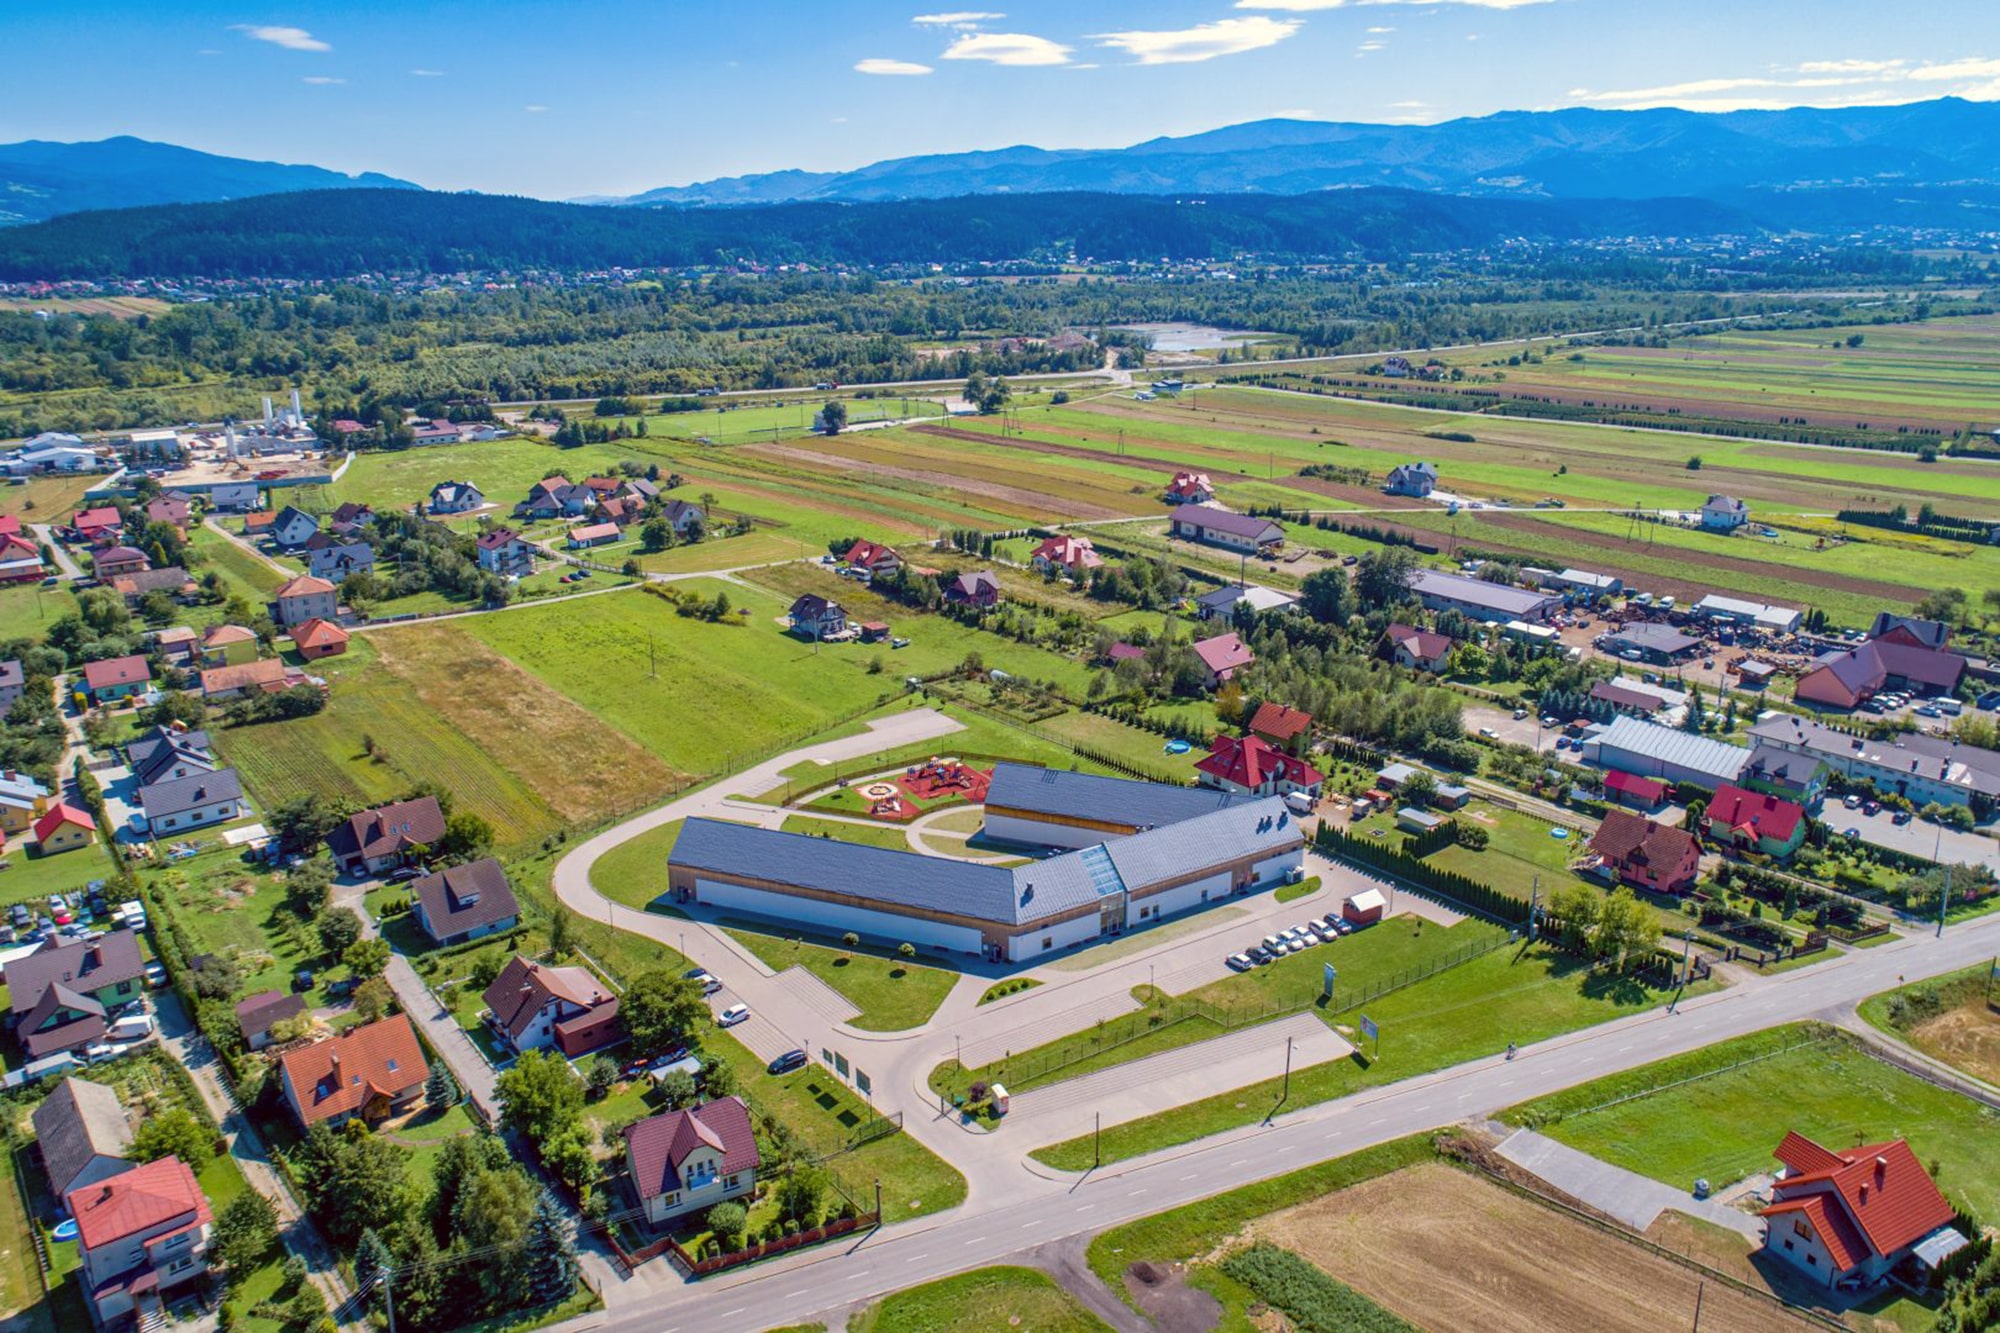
(1754, 822)
(1252, 766)
(59, 992)
(816, 617)
(83, 1134)
(179, 644)
(1735, 611)
(1190, 488)
(1646, 854)
(177, 805)
(1667, 753)
(1635, 792)
(350, 518)
(1477, 599)
(464, 903)
(319, 638)
(688, 1161)
(171, 580)
(504, 552)
(337, 561)
(13, 683)
(1417, 479)
(684, 518)
(234, 497)
(1055, 807)
(171, 509)
(1585, 585)
(556, 497)
(455, 497)
(1724, 513)
(22, 801)
(1282, 725)
(877, 559)
(228, 645)
(1845, 680)
(435, 431)
(1913, 765)
(258, 524)
(116, 678)
(115, 560)
(1661, 645)
(1219, 527)
(169, 752)
(1848, 1217)
(100, 526)
(263, 675)
(293, 527)
(1221, 658)
(257, 1014)
(586, 535)
(1071, 555)
(140, 1234)
(1008, 913)
(20, 559)
(373, 1071)
(307, 597)
(1419, 649)
(532, 1006)
(1222, 602)
(621, 511)
(978, 589)
(377, 841)
(1799, 778)
(1908, 629)
(64, 828)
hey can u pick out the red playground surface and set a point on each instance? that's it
(942, 779)
(894, 808)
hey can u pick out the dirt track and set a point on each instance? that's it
(1450, 1250)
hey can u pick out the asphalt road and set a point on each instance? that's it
(1917, 838)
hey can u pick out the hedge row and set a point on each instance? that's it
(1309, 1298)
(1463, 890)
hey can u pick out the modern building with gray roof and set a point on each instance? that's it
(1922, 768)
(1053, 807)
(174, 806)
(1669, 754)
(1653, 642)
(1113, 884)
(1480, 600)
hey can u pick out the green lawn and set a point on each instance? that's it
(27, 609)
(841, 830)
(26, 875)
(503, 470)
(1509, 994)
(1724, 1125)
(891, 994)
(984, 1299)
(635, 872)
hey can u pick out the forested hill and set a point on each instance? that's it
(331, 234)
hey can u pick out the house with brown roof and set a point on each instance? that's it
(256, 677)
(350, 518)
(1646, 854)
(1418, 649)
(1625, 699)
(257, 1014)
(1845, 680)
(586, 535)
(1846, 1218)
(307, 597)
(59, 994)
(687, 1161)
(621, 510)
(141, 583)
(140, 1233)
(1071, 555)
(319, 638)
(1281, 724)
(228, 645)
(502, 551)
(978, 589)
(116, 678)
(83, 1134)
(377, 841)
(171, 509)
(467, 902)
(816, 617)
(1251, 767)
(531, 1006)
(373, 1071)
(1222, 657)
(115, 560)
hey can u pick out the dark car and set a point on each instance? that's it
(404, 874)
(788, 1062)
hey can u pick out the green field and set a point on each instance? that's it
(503, 470)
(892, 995)
(1723, 1124)
(986, 1298)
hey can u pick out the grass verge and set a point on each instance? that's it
(984, 1298)
(891, 993)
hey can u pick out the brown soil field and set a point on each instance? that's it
(1450, 1250)
(1967, 1037)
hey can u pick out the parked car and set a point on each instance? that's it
(709, 985)
(734, 1014)
(156, 975)
(1872, 808)
(1851, 832)
(1275, 943)
(132, 1027)
(1489, 733)
(1260, 955)
(1520, 713)
(788, 1062)
(404, 874)
(1901, 817)
(1852, 801)
(1239, 962)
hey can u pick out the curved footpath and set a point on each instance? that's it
(1011, 1210)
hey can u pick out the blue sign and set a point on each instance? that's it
(1368, 1029)
(1329, 979)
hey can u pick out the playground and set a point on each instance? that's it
(931, 785)
(946, 780)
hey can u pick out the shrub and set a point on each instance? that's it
(1310, 1298)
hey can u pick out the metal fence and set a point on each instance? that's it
(1345, 999)
(1036, 1065)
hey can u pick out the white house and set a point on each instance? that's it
(233, 497)
(1724, 513)
(139, 1234)
(1417, 479)
(689, 1161)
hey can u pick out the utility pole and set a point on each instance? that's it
(1534, 898)
(1287, 1094)
(878, 1210)
(389, 1297)
(1699, 1288)
(1097, 1141)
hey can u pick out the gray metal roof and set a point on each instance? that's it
(1478, 592)
(1223, 520)
(190, 793)
(1911, 753)
(1258, 827)
(1055, 791)
(1670, 745)
(1649, 637)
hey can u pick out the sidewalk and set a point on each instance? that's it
(1631, 1198)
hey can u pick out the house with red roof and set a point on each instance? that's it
(874, 557)
(304, 598)
(64, 828)
(1071, 555)
(98, 526)
(112, 561)
(1253, 767)
(1222, 657)
(319, 638)
(531, 1006)
(1754, 821)
(1418, 649)
(20, 559)
(116, 678)
(1846, 1218)
(1645, 853)
(373, 1071)
(139, 1233)
(1281, 724)
(1632, 790)
(688, 1161)
(1190, 488)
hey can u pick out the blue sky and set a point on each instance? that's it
(616, 96)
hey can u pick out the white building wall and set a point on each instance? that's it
(1180, 899)
(1037, 833)
(838, 917)
(1274, 868)
(1060, 935)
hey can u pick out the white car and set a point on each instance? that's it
(1275, 943)
(1294, 944)
(1240, 962)
(734, 1014)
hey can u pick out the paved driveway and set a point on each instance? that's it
(1628, 1196)
(1916, 838)
(1527, 731)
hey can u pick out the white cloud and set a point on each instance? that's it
(292, 39)
(535, 108)
(1369, 46)
(883, 66)
(959, 18)
(1008, 48)
(1380, 32)
(1410, 106)
(321, 80)
(1314, 6)
(1205, 41)
(1973, 68)
(428, 73)
(1850, 66)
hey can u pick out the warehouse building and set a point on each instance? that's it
(1668, 754)
(1052, 807)
(1919, 767)
(1731, 611)
(1012, 914)
(1495, 603)
(1661, 645)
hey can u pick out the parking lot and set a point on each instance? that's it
(1528, 731)
(1916, 838)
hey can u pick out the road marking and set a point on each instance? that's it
(968, 1245)
(1626, 1047)
(1025, 1226)
(726, 1313)
(1136, 1193)
(1190, 1175)
(1086, 1208)
(1376, 1121)
(795, 1295)
(913, 1258)
(1507, 1082)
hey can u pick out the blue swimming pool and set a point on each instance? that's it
(66, 1229)
(1178, 747)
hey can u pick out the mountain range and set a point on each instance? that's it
(39, 179)
(1567, 154)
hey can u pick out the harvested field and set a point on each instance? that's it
(1967, 1037)
(1022, 500)
(1452, 1250)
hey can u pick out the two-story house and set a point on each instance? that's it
(1253, 767)
(83, 1133)
(532, 1006)
(339, 559)
(1846, 1218)
(816, 617)
(1645, 854)
(140, 1233)
(1724, 513)
(374, 1070)
(1418, 649)
(455, 497)
(463, 903)
(293, 527)
(687, 1161)
(228, 645)
(60, 993)
(116, 678)
(1754, 822)
(502, 551)
(978, 589)
(379, 840)
(1413, 479)
(880, 561)
(307, 597)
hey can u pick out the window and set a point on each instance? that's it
(1812, 1261)
(1047, 940)
(735, 1182)
(673, 1197)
